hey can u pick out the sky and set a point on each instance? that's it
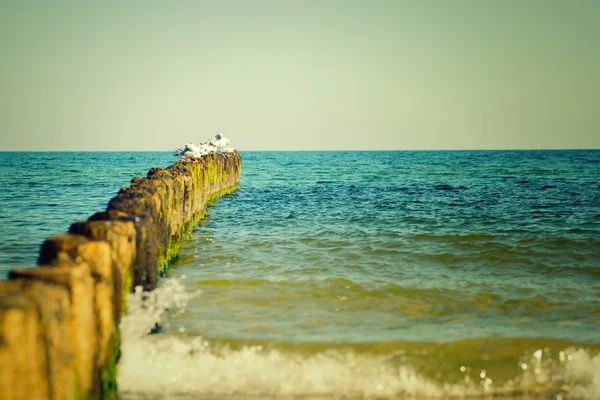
(300, 75)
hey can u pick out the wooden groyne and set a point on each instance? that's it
(59, 335)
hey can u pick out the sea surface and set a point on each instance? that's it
(385, 275)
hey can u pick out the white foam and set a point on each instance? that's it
(582, 374)
(172, 366)
(162, 366)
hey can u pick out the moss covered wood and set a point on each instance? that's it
(59, 335)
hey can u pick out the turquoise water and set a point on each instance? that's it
(42, 194)
(354, 274)
(465, 244)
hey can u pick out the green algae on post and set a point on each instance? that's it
(168, 204)
(59, 322)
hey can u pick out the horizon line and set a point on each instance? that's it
(305, 150)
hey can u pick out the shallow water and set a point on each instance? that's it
(354, 274)
(386, 274)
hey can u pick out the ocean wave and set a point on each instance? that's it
(478, 236)
(178, 365)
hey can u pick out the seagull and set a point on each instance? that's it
(218, 144)
(189, 151)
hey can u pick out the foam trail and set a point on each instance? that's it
(168, 366)
(582, 374)
(147, 309)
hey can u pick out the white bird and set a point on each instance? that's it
(216, 145)
(183, 150)
(222, 144)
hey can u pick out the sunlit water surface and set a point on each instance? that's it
(355, 274)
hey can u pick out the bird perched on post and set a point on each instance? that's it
(216, 145)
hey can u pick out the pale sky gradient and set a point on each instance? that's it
(300, 75)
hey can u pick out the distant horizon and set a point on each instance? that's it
(300, 151)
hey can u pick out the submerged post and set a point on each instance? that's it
(59, 334)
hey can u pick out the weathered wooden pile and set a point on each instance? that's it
(59, 335)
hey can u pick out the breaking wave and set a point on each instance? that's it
(175, 364)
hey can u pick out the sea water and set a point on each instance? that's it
(43, 193)
(353, 274)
